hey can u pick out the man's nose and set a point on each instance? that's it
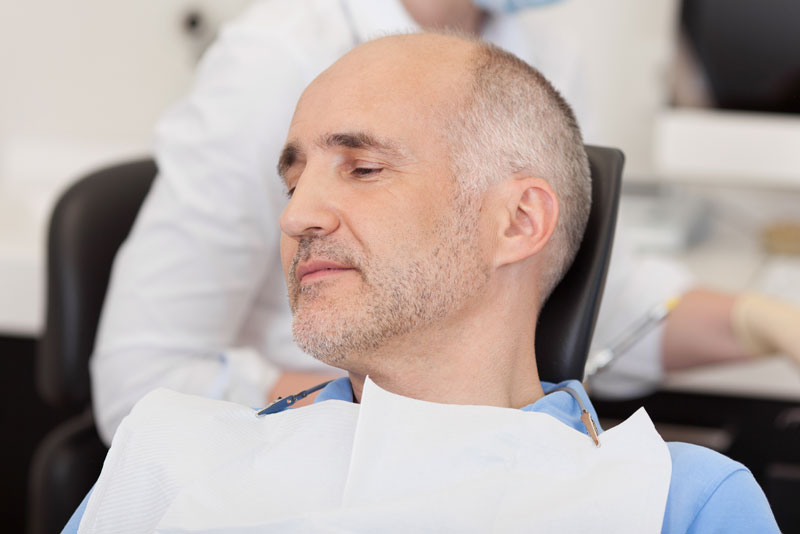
(311, 210)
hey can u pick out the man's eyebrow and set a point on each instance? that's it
(289, 155)
(292, 151)
(360, 139)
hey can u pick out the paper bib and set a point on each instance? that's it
(390, 464)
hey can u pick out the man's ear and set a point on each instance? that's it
(527, 220)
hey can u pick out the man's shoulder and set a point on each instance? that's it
(164, 413)
(709, 492)
(160, 398)
(694, 463)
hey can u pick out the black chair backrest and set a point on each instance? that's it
(89, 223)
(567, 321)
(93, 218)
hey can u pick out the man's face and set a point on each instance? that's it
(377, 240)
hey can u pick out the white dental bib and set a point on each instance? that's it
(391, 464)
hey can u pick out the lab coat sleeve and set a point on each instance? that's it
(205, 243)
(635, 283)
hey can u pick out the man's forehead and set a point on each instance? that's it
(423, 55)
(408, 73)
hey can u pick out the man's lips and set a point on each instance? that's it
(313, 269)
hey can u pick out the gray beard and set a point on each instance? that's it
(392, 301)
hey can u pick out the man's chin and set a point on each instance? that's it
(335, 338)
(320, 331)
(320, 347)
(321, 297)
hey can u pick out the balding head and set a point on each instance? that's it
(419, 78)
(390, 160)
(498, 115)
(514, 122)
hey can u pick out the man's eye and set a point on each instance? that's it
(366, 171)
(290, 192)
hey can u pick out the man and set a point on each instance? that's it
(439, 190)
(195, 302)
(209, 316)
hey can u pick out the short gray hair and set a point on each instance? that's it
(514, 120)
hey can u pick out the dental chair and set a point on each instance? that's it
(566, 324)
(88, 224)
(93, 218)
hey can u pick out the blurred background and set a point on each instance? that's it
(703, 96)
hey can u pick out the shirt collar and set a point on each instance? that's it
(558, 404)
(339, 389)
(562, 406)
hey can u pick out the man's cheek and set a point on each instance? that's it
(288, 250)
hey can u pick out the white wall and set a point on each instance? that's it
(81, 84)
(84, 80)
(626, 48)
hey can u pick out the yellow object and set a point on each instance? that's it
(766, 326)
(782, 237)
(672, 303)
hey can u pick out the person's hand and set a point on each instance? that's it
(294, 382)
(766, 326)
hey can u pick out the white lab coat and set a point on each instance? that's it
(635, 283)
(197, 301)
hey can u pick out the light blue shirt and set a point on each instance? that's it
(708, 492)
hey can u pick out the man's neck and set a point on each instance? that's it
(478, 359)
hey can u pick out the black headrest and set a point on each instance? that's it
(90, 221)
(567, 321)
